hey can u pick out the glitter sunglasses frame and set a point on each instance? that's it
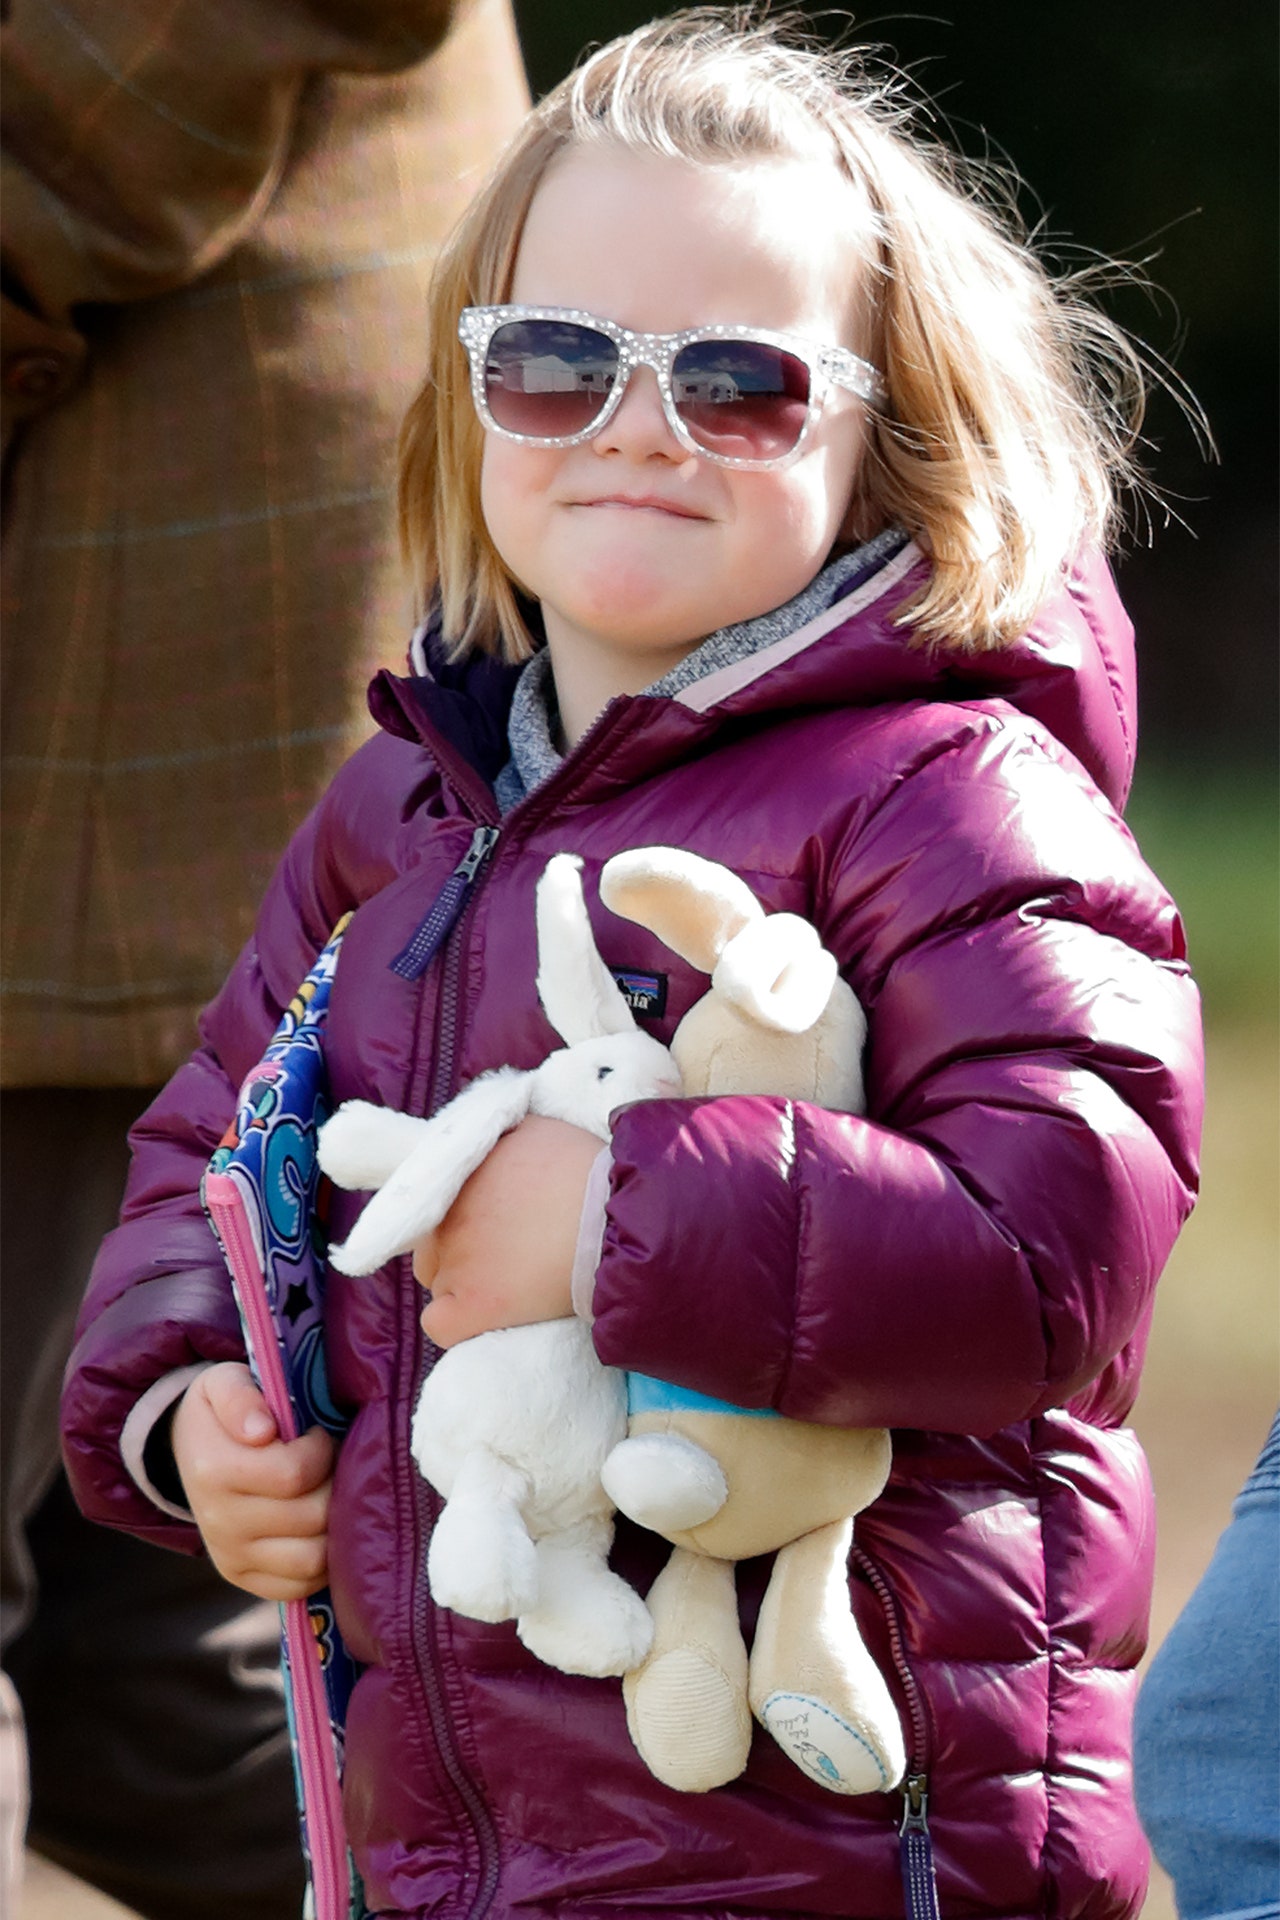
(826, 366)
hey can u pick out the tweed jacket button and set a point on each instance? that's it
(39, 376)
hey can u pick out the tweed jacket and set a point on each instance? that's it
(218, 225)
(972, 1264)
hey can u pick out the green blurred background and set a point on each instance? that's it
(1149, 134)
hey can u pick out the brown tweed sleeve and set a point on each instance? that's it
(142, 142)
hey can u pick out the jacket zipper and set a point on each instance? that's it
(431, 935)
(915, 1843)
(915, 1851)
(443, 916)
(433, 932)
(484, 1832)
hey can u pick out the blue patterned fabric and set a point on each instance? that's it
(270, 1154)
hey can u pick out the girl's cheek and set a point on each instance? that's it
(514, 478)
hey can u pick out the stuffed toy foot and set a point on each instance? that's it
(664, 1481)
(813, 1684)
(481, 1561)
(687, 1705)
(587, 1619)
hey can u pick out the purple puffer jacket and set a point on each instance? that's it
(972, 1264)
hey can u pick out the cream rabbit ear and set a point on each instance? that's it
(778, 973)
(695, 906)
(428, 1180)
(579, 995)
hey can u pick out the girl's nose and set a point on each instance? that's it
(640, 428)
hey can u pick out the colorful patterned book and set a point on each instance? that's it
(264, 1197)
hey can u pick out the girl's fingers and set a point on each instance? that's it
(240, 1408)
(286, 1470)
(280, 1569)
(248, 1519)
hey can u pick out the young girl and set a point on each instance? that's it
(757, 511)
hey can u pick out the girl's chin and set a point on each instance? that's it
(635, 630)
(646, 595)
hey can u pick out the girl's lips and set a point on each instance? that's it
(647, 502)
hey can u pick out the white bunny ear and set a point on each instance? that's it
(362, 1145)
(777, 972)
(425, 1185)
(695, 906)
(579, 995)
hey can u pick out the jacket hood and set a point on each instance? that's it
(1073, 671)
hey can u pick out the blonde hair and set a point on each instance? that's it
(1013, 404)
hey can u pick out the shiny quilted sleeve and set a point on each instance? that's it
(984, 1244)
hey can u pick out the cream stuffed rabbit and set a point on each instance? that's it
(724, 1485)
(513, 1427)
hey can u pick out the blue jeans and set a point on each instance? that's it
(1207, 1726)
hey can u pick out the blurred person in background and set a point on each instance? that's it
(1207, 1724)
(219, 223)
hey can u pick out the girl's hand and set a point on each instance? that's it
(261, 1503)
(503, 1255)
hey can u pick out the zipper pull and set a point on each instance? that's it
(483, 841)
(441, 916)
(915, 1850)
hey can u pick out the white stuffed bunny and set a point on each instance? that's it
(513, 1427)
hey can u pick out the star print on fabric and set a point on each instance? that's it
(296, 1302)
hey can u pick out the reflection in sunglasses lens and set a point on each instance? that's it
(548, 378)
(738, 399)
(741, 399)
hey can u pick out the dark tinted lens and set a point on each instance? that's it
(740, 398)
(548, 378)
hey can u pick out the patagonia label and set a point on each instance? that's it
(644, 993)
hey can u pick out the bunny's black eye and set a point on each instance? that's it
(602, 1073)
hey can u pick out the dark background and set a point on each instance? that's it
(1140, 130)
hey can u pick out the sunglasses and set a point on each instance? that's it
(553, 376)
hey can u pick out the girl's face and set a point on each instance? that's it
(637, 548)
